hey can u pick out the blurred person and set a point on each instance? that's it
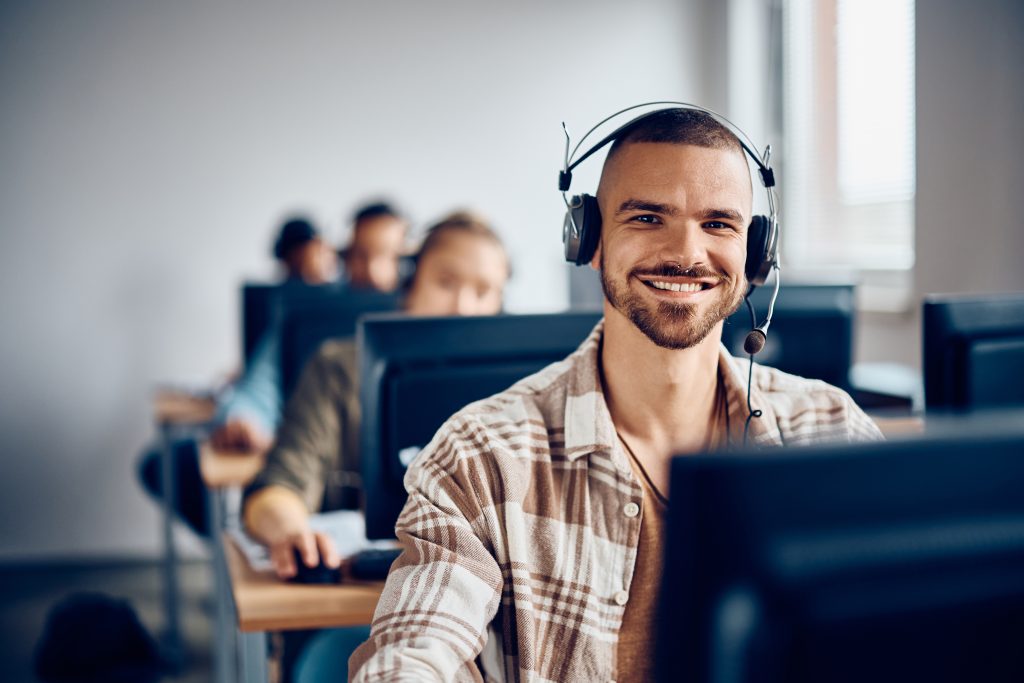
(461, 269)
(306, 257)
(306, 260)
(372, 258)
(249, 414)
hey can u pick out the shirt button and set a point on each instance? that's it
(621, 598)
(631, 509)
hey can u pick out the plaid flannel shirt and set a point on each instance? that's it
(517, 555)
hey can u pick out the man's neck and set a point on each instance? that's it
(662, 401)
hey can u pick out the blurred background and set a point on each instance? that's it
(149, 151)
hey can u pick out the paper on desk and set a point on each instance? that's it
(347, 528)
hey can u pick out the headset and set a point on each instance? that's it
(581, 230)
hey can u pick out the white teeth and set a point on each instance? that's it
(676, 286)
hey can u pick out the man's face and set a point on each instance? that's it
(372, 258)
(463, 274)
(315, 262)
(673, 238)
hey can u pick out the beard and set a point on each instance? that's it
(668, 324)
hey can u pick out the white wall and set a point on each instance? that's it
(970, 146)
(149, 148)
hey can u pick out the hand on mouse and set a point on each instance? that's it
(239, 434)
(312, 545)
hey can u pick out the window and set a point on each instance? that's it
(847, 162)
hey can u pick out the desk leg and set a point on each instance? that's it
(254, 657)
(224, 648)
(172, 642)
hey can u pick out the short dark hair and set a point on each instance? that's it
(375, 210)
(681, 127)
(294, 233)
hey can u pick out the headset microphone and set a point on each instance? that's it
(755, 340)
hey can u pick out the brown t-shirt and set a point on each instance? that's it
(635, 651)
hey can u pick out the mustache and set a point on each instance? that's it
(669, 269)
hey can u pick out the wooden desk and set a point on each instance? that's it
(221, 469)
(906, 425)
(264, 602)
(177, 415)
(179, 408)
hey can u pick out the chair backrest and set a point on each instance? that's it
(973, 350)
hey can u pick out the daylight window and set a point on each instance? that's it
(848, 124)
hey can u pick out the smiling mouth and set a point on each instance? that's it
(667, 286)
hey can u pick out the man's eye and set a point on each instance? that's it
(716, 225)
(645, 218)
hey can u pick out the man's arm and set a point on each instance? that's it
(248, 417)
(444, 589)
(277, 516)
(291, 485)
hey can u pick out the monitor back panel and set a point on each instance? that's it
(891, 562)
(811, 334)
(415, 373)
(257, 314)
(312, 315)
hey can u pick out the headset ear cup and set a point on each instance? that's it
(759, 260)
(571, 229)
(581, 230)
(591, 233)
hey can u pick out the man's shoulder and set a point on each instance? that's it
(523, 421)
(336, 353)
(810, 409)
(797, 390)
(537, 399)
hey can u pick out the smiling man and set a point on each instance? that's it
(533, 532)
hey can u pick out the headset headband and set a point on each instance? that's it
(565, 175)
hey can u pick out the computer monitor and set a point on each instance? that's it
(257, 313)
(899, 561)
(973, 351)
(811, 334)
(415, 373)
(311, 315)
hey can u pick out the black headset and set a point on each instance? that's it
(581, 230)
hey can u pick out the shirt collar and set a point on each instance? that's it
(588, 424)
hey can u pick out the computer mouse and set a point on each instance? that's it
(373, 564)
(321, 573)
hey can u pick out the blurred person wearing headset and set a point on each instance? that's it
(532, 536)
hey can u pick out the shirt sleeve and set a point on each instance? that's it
(860, 427)
(257, 396)
(444, 589)
(308, 441)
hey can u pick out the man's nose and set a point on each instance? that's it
(685, 244)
